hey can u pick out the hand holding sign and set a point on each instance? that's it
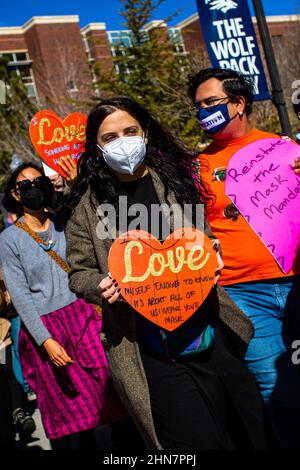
(262, 184)
(69, 167)
(296, 165)
(55, 139)
(166, 282)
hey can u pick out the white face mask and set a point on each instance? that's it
(125, 154)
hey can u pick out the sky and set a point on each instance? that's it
(17, 12)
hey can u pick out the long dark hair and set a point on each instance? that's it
(9, 202)
(165, 154)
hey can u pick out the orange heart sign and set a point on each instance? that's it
(168, 282)
(53, 138)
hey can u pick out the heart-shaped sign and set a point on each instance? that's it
(266, 190)
(166, 282)
(53, 138)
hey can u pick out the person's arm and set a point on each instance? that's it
(84, 276)
(21, 297)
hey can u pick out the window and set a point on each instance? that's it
(30, 90)
(20, 56)
(85, 44)
(20, 63)
(10, 57)
(17, 57)
(176, 38)
(25, 72)
(71, 86)
(120, 38)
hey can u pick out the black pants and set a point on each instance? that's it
(207, 402)
(7, 435)
(125, 438)
(84, 440)
(15, 389)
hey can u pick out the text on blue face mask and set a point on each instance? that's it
(212, 121)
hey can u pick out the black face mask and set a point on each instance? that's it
(33, 199)
(36, 195)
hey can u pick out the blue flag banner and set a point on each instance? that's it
(230, 39)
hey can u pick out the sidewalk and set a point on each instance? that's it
(39, 441)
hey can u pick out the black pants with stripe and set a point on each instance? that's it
(209, 401)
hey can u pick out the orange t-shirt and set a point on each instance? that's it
(245, 256)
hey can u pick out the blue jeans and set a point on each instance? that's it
(15, 330)
(273, 306)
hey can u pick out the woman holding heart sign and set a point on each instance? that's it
(60, 350)
(177, 381)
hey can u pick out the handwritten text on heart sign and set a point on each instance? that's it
(165, 282)
(265, 189)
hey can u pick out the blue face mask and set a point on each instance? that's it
(214, 118)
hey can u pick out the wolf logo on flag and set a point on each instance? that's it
(223, 5)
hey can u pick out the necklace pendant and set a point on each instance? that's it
(47, 247)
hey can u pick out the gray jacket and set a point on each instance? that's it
(88, 258)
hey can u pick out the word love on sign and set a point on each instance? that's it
(265, 189)
(166, 282)
(54, 138)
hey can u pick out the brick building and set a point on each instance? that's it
(52, 53)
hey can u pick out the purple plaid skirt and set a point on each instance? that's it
(80, 396)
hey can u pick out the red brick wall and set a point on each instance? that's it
(58, 57)
(12, 42)
(99, 48)
(192, 36)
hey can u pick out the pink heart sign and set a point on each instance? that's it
(265, 189)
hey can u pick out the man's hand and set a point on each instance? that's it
(296, 166)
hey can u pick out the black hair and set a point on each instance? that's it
(234, 84)
(9, 202)
(297, 109)
(165, 154)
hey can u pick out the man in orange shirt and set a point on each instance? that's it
(252, 277)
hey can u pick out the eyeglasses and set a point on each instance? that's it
(211, 102)
(39, 182)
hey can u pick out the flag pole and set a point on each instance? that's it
(277, 92)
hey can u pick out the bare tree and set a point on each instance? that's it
(287, 49)
(68, 87)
